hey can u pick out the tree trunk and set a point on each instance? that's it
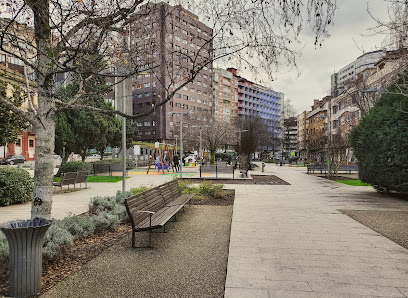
(41, 203)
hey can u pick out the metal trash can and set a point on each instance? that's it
(25, 239)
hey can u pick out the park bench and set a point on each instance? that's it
(82, 177)
(313, 168)
(68, 178)
(347, 168)
(107, 168)
(153, 208)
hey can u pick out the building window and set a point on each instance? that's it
(178, 95)
(146, 123)
(185, 97)
(138, 124)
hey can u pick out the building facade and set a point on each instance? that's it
(171, 45)
(256, 100)
(351, 71)
(290, 136)
(302, 130)
(25, 143)
(225, 96)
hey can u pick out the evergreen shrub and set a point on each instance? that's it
(76, 166)
(380, 143)
(129, 163)
(16, 186)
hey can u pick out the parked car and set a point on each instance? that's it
(13, 159)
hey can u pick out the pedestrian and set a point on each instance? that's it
(176, 162)
(71, 157)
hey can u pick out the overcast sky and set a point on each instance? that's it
(351, 21)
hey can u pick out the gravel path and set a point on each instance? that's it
(391, 224)
(190, 260)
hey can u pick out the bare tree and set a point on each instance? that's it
(57, 38)
(214, 134)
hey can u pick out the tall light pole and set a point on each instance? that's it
(328, 142)
(181, 138)
(123, 139)
(201, 152)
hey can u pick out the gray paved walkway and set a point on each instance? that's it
(77, 202)
(290, 241)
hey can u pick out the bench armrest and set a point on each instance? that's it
(150, 212)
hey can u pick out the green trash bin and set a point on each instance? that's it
(25, 239)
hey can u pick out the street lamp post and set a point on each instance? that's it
(123, 139)
(201, 152)
(328, 142)
(181, 138)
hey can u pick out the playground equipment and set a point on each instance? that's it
(160, 164)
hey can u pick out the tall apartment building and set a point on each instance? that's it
(170, 43)
(290, 137)
(351, 71)
(302, 130)
(225, 95)
(257, 100)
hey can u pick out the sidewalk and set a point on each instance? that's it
(291, 241)
(77, 202)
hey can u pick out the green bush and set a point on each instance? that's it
(140, 189)
(4, 248)
(117, 161)
(57, 239)
(105, 221)
(76, 166)
(16, 186)
(224, 156)
(114, 205)
(204, 189)
(380, 143)
(79, 227)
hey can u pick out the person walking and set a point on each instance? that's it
(176, 162)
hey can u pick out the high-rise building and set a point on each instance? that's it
(225, 95)
(351, 71)
(170, 45)
(257, 100)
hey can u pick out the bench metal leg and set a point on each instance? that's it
(150, 240)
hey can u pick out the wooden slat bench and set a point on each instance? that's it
(82, 177)
(68, 178)
(347, 168)
(153, 208)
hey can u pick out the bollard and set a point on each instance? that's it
(263, 167)
(25, 239)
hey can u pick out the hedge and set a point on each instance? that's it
(16, 186)
(380, 144)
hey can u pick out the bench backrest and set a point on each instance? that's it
(101, 168)
(170, 191)
(82, 177)
(348, 168)
(149, 200)
(116, 167)
(68, 178)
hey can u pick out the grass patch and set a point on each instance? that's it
(205, 189)
(111, 179)
(353, 182)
